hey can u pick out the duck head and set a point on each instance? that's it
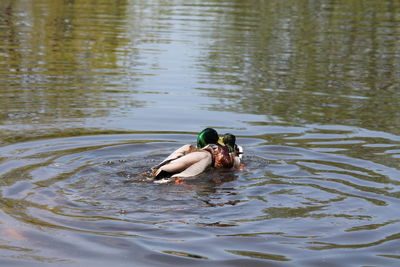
(207, 136)
(229, 140)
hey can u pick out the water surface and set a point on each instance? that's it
(94, 93)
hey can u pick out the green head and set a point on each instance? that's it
(230, 141)
(207, 136)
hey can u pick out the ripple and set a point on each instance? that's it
(289, 200)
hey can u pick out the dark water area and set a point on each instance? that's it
(93, 93)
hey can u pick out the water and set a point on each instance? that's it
(93, 93)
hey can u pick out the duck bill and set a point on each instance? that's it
(220, 141)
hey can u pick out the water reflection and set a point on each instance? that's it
(325, 63)
(321, 62)
(63, 61)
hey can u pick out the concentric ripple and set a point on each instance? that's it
(81, 199)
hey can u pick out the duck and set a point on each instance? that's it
(210, 151)
(235, 151)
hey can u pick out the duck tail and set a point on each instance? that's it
(240, 151)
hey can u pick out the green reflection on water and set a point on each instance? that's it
(60, 63)
(321, 62)
(259, 255)
(293, 62)
(184, 254)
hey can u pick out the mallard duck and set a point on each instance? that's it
(189, 160)
(236, 151)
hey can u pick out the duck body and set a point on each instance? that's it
(221, 158)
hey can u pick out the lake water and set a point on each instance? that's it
(93, 93)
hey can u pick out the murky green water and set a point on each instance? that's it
(92, 93)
